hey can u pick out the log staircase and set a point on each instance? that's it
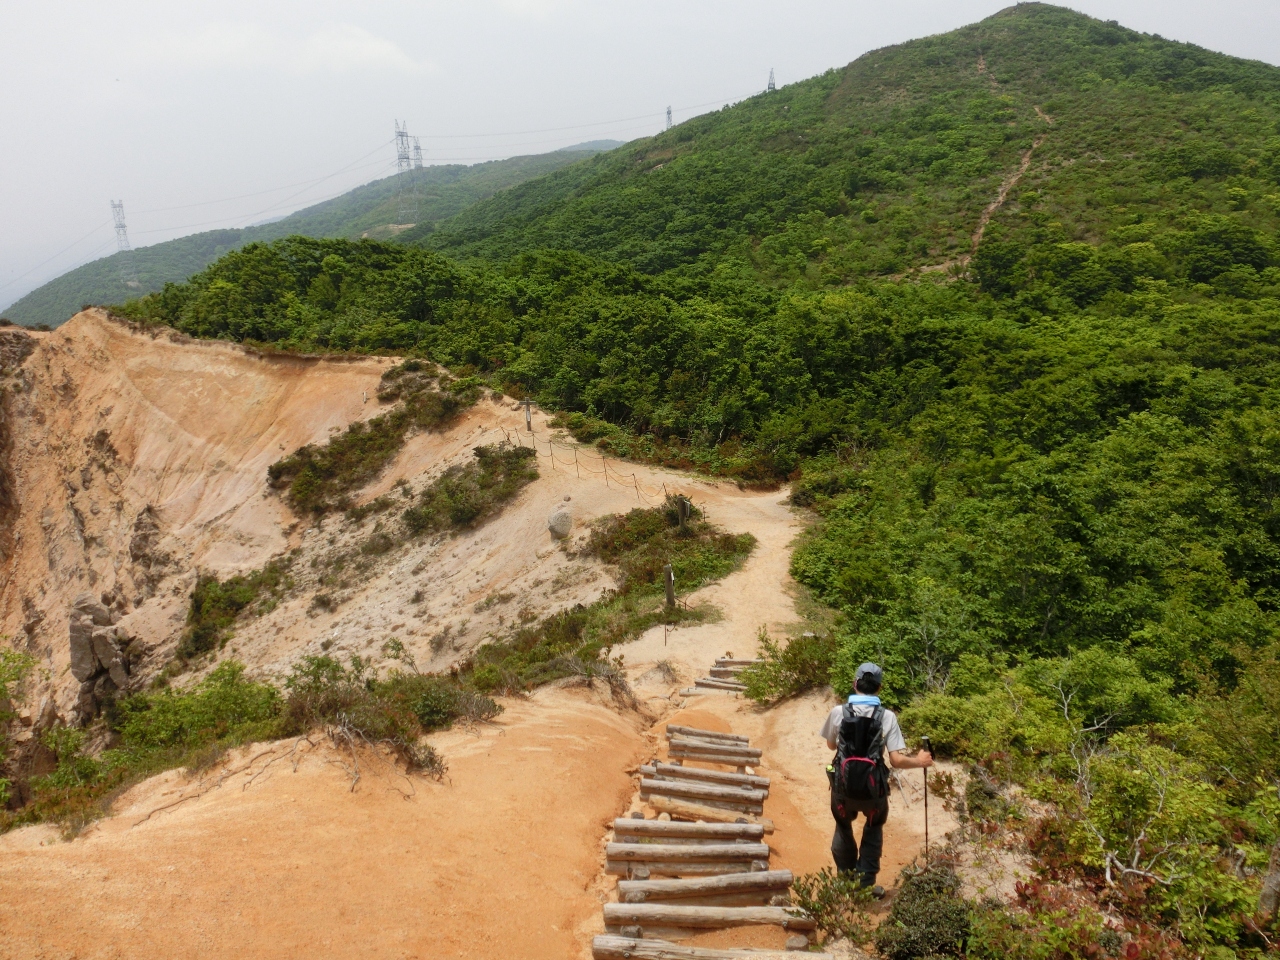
(704, 864)
(723, 677)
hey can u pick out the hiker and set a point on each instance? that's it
(861, 731)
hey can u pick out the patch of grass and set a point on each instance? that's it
(321, 478)
(164, 729)
(492, 600)
(638, 545)
(215, 605)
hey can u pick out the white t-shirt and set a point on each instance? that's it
(894, 742)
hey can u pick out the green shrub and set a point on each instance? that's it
(215, 605)
(574, 641)
(464, 496)
(222, 707)
(836, 902)
(928, 918)
(437, 701)
(1046, 923)
(803, 664)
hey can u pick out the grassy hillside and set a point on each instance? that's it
(442, 192)
(1044, 480)
(887, 164)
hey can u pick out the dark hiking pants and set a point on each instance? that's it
(844, 849)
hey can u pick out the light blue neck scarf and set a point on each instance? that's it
(863, 700)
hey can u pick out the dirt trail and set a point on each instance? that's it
(506, 858)
(1006, 186)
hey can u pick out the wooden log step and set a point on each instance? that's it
(748, 754)
(745, 808)
(727, 662)
(678, 917)
(725, 673)
(677, 754)
(674, 731)
(668, 771)
(730, 889)
(611, 947)
(689, 810)
(677, 758)
(675, 830)
(644, 869)
(713, 684)
(686, 852)
(750, 800)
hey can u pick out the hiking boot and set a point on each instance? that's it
(868, 881)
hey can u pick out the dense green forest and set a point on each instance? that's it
(436, 194)
(1046, 479)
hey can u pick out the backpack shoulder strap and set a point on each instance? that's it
(877, 735)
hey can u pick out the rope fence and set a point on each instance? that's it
(582, 463)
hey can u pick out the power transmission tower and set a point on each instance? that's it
(668, 118)
(417, 154)
(127, 272)
(771, 86)
(404, 165)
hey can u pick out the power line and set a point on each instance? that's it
(579, 126)
(310, 183)
(74, 243)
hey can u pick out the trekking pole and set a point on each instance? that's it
(929, 748)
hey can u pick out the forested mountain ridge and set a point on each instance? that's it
(888, 164)
(436, 193)
(1045, 479)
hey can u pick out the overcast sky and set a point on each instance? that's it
(203, 114)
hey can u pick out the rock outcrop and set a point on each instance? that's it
(98, 658)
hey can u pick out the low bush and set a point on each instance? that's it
(467, 495)
(836, 902)
(803, 664)
(15, 667)
(163, 729)
(928, 918)
(215, 604)
(638, 545)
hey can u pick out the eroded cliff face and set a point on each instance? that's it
(128, 461)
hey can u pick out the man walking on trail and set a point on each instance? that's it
(862, 731)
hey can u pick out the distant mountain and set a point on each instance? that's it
(1049, 125)
(436, 193)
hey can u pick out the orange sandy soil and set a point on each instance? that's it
(499, 861)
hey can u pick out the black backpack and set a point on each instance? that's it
(860, 772)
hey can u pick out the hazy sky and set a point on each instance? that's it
(200, 114)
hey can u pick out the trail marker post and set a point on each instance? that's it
(670, 578)
(929, 748)
(528, 414)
